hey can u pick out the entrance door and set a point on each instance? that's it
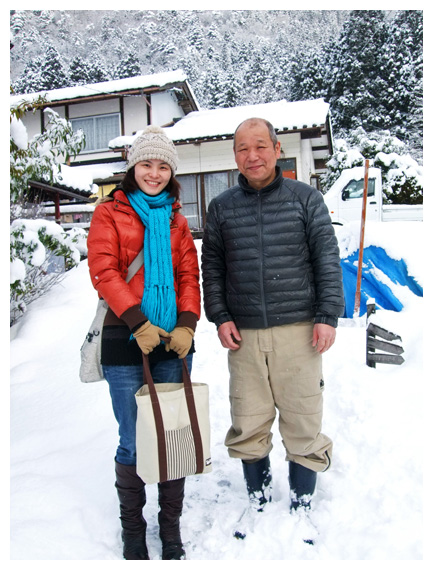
(288, 166)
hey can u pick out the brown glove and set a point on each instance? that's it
(148, 336)
(180, 341)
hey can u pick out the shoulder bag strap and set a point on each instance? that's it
(159, 422)
(135, 266)
(190, 402)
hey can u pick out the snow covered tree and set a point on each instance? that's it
(195, 37)
(53, 74)
(129, 66)
(98, 72)
(306, 79)
(354, 84)
(30, 81)
(79, 71)
(257, 71)
(405, 70)
(40, 158)
(213, 87)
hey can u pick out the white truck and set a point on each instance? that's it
(344, 199)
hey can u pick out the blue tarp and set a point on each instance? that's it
(371, 286)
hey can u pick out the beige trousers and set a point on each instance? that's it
(278, 369)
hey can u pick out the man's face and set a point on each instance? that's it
(255, 154)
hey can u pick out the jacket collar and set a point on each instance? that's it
(243, 183)
(120, 197)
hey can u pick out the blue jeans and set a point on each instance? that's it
(124, 382)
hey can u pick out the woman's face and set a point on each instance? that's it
(152, 176)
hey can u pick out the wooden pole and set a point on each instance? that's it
(361, 243)
(57, 208)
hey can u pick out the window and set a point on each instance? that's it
(199, 189)
(99, 130)
(355, 189)
(190, 199)
(217, 182)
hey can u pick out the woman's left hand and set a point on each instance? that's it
(180, 341)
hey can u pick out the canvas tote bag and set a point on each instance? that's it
(90, 353)
(173, 428)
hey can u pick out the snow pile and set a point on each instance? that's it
(73, 177)
(18, 133)
(368, 506)
(397, 238)
(386, 275)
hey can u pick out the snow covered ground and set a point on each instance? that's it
(369, 506)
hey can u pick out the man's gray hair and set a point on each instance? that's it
(254, 120)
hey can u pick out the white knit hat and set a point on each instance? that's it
(153, 143)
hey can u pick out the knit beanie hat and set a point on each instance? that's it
(153, 143)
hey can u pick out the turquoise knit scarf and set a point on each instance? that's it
(159, 297)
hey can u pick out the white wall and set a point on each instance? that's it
(135, 114)
(218, 155)
(165, 108)
(90, 109)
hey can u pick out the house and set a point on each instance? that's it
(113, 113)
(105, 111)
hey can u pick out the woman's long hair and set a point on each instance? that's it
(129, 184)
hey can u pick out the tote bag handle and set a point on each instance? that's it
(159, 422)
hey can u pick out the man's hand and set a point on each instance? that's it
(229, 335)
(323, 337)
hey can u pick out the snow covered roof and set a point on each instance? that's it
(106, 87)
(220, 123)
(282, 114)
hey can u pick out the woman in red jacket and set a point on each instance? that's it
(161, 300)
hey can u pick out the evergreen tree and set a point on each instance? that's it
(97, 72)
(195, 38)
(79, 71)
(255, 75)
(405, 70)
(212, 87)
(231, 90)
(306, 76)
(127, 67)
(53, 75)
(354, 76)
(30, 81)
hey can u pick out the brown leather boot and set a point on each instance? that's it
(132, 498)
(170, 496)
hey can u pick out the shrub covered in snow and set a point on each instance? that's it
(40, 250)
(40, 253)
(402, 179)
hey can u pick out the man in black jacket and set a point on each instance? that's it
(272, 285)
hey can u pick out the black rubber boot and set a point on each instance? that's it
(302, 485)
(132, 498)
(258, 478)
(170, 496)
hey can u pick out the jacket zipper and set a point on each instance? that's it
(262, 286)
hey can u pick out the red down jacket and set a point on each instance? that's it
(115, 238)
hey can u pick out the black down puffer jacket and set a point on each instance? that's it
(270, 257)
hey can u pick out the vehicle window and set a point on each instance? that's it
(355, 189)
